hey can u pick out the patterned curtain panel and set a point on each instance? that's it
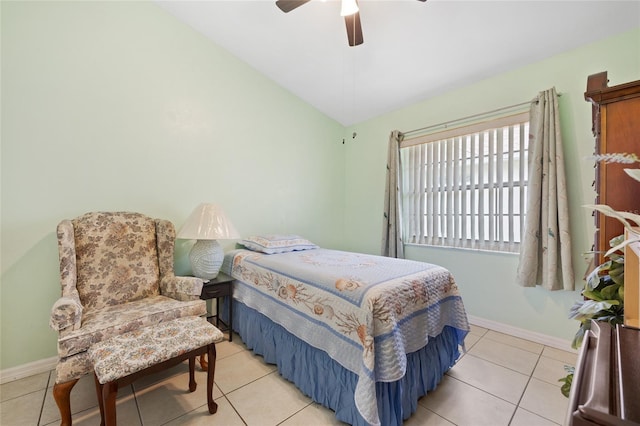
(391, 226)
(545, 253)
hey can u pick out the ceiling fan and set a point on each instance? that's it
(349, 10)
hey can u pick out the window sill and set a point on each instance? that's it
(469, 249)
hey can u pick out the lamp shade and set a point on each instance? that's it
(349, 7)
(208, 222)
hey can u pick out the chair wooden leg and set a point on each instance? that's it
(211, 369)
(62, 395)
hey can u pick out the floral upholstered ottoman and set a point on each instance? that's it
(122, 359)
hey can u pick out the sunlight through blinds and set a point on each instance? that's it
(467, 189)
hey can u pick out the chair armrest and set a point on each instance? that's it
(65, 313)
(181, 288)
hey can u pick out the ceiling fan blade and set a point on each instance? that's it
(288, 5)
(354, 29)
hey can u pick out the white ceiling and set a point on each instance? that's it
(412, 50)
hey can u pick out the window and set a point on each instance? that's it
(467, 187)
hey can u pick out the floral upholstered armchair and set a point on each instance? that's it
(116, 272)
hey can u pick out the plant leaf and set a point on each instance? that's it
(623, 244)
(594, 278)
(574, 312)
(593, 296)
(621, 293)
(579, 337)
(610, 292)
(616, 240)
(591, 307)
(593, 281)
(566, 385)
(634, 173)
(617, 276)
(621, 216)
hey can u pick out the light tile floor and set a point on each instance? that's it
(501, 380)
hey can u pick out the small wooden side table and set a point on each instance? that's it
(220, 286)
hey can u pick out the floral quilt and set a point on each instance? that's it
(367, 312)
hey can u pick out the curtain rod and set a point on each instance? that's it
(482, 114)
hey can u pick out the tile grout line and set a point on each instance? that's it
(44, 398)
(483, 391)
(500, 365)
(525, 388)
(135, 398)
(252, 381)
(293, 414)
(529, 378)
(516, 346)
(235, 410)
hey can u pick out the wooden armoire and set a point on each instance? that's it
(616, 127)
(606, 381)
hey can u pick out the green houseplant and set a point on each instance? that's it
(603, 300)
(603, 295)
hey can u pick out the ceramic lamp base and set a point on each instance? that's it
(206, 258)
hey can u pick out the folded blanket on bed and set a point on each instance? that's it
(367, 312)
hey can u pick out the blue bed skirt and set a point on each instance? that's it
(328, 383)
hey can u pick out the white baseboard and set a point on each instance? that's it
(26, 370)
(543, 339)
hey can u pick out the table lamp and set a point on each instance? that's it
(207, 224)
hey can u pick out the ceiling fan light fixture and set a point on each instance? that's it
(349, 7)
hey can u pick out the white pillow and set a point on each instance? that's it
(272, 244)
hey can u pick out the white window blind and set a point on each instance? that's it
(467, 187)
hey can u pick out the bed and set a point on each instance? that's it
(364, 335)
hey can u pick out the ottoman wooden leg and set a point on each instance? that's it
(203, 363)
(192, 376)
(100, 399)
(109, 394)
(211, 369)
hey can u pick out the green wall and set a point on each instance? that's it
(119, 106)
(487, 279)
